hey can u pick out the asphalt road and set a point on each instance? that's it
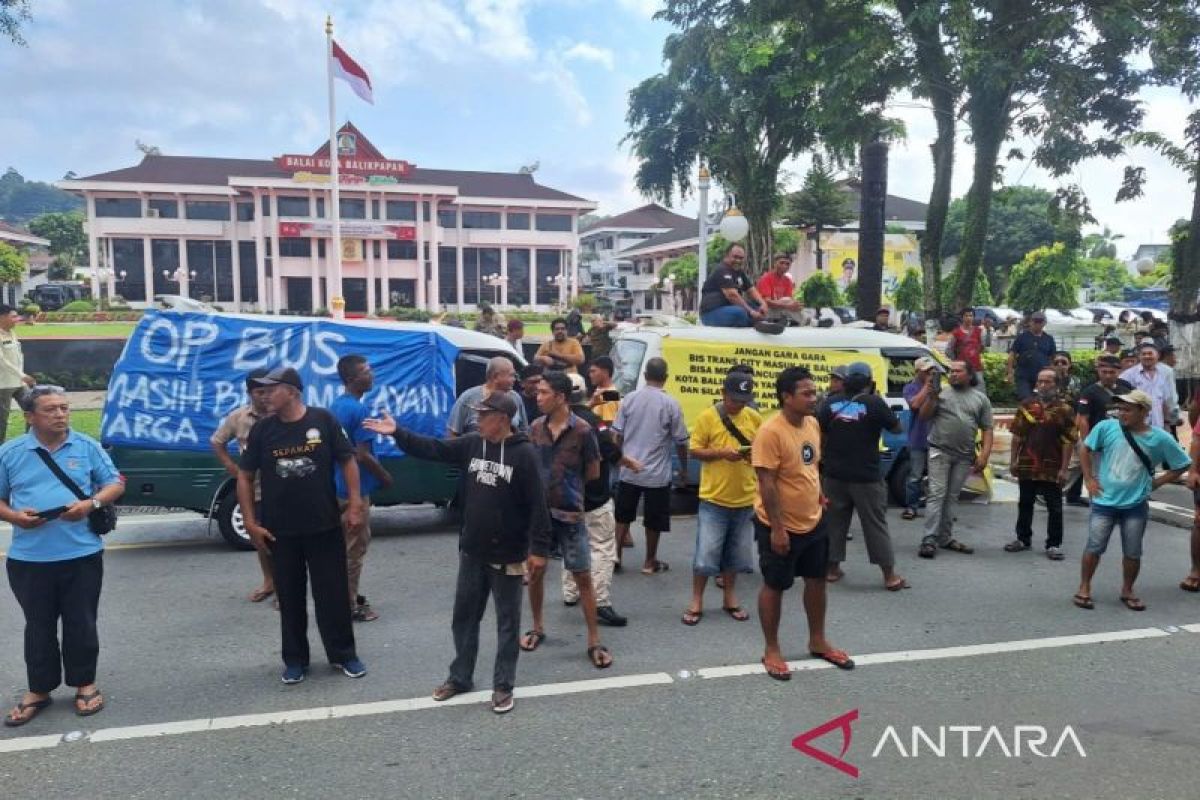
(985, 640)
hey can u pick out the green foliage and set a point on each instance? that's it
(78, 307)
(1101, 245)
(683, 271)
(405, 314)
(30, 310)
(1047, 277)
(820, 203)
(1106, 276)
(585, 302)
(910, 294)
(819, 291)
(787, 241)
(981, 296)
(850, 294)
(22, 200)
(68, 242)
(1159, 276)
(1004, 394)
(13, 264)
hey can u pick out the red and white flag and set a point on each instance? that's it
(347, 69)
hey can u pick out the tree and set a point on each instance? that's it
(12, 14)
(13, 265)
(1101, 245)
(819, 204)
(850, 295)
(684, 272)
(1019, 220)
(22, 200)
(1061, 72)
(65, 232)
(820, 291)
(1106, 277)
(910, 295)
(982, 296)
(1047, 277)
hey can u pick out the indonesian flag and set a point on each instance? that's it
(347, 69)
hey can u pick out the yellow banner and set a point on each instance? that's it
(698, 369)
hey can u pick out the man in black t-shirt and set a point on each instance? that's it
(293, 452)
(728, 298)
(851, 423)
(1091, 409)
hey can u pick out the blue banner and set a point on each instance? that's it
(182, 373)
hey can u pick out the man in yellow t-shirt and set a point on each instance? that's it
(727, 485)
(562, 352)
(787, 519)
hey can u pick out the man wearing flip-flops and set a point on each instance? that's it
(56, 562)
(788, 525)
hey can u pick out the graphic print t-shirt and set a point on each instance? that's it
(711, 294)
(852, 426)
(295, 462)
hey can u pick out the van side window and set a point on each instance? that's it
(627, 355)
(901, 370)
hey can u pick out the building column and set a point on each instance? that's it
(458, 267)
(235, 259)
(504, 275)
(370, 243)
(93, 244)
(260, 258)
(184, 278)
(435, 241)
(147, 270)
(277, 295)
(314, 277)
(385, 276)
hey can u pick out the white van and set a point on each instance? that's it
(699, 358)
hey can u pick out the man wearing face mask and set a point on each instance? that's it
(1043, 438)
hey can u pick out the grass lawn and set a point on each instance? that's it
(86, 421)
(76, 330)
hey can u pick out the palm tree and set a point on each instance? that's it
(1101, 245)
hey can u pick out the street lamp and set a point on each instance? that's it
(496, 281)
(101, 276)
(669, 286)
(559, 280)
(179, 275)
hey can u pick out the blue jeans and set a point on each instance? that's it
(1132, 522)
(916, 471)
(569, 541)
(727, 317)
(723, 538)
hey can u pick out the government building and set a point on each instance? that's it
(253, 235)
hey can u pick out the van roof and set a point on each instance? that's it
(461, 338)
(839, 336)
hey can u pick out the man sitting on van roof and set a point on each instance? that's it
(722, 304)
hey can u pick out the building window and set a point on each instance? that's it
(164, 255)
(353, 208)
(447, 276)
(479, 263)
(488, 220)
(127, 257)
(321, 207)
(405, 210)
(212, 261)
(518, 277)
(518, 221)
(245, 212)
(168, 209)
(295, 246)
(548, 266)
(320, 248)
(118, 207)
(293, 206)
(375, 209)
(401, 248)
(554, 222)
(266, 206)
(206, 209)
(447, 217)
(249, 267)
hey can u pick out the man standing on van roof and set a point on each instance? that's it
(13, 379)
(650, 427)
(722, 304)
(236, 427)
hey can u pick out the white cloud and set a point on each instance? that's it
(584, 51)
(643, 8)
(501, 30)
(557, 75)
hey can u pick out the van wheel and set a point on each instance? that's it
(231, 524)
(897, 480)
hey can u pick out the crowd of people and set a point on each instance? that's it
(556, 464)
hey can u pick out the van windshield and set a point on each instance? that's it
(901, 368)
(627, 356)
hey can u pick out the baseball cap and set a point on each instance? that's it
(279, 375)
(1144, 343)
(578, 388)
(1135, 398)
(1129, 352)
(927, 362)
(858, 368)
(1116, 339)
(1108, 361)
(501, 402)
(740, 387)
(1037, 316)
(838, 372)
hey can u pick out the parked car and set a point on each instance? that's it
(54, 295)
(176, 302)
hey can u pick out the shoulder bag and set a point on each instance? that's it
(100, 520)
(729, 426)
(1145, 459)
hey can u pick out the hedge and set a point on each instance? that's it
(1004, 394)
(89, 316)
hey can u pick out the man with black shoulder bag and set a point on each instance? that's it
(57, 488)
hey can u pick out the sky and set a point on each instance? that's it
(459, 84)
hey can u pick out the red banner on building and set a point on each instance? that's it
(347, 164)
(350, 230)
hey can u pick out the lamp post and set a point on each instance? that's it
(179, 275)
(101, 275)
(669, 286)
(559, 280)
(730, 223)
(496, 281)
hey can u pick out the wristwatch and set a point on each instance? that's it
(96, 504)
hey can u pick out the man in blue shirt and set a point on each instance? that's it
(55, 563)
(350, 411)
(1120, 489)
(1029, 354)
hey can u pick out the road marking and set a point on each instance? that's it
(1161, 506)
(378, 707)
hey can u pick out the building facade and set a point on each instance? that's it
(37, 255)
(254, 235)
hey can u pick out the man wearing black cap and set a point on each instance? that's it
(293, 452)
(1112, 346)
(1029, 354)
(883, 320)
(505, 511)
(851, 423)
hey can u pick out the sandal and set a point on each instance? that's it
(784, 674)
(532, 640)
(657, 567)
(1083, 601)
(597, 653)
(897, 584)
(1133, 603)
(691, 618)
(719, 581)
(16, 718)
(737, 612)
(1017, 546)
(958, 547)
(1190, 584)
(839, 658)
(834, 576)
(260, 594)
(908, 513)
(927, 550)
(86, 699)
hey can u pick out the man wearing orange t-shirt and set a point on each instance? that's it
(778, 291)
(791, 538)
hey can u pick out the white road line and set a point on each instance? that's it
(176, 728)
(1161, 506)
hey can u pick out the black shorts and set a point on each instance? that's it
(656, 513)
(808, 556)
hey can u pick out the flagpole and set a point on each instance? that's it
(337, 305)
